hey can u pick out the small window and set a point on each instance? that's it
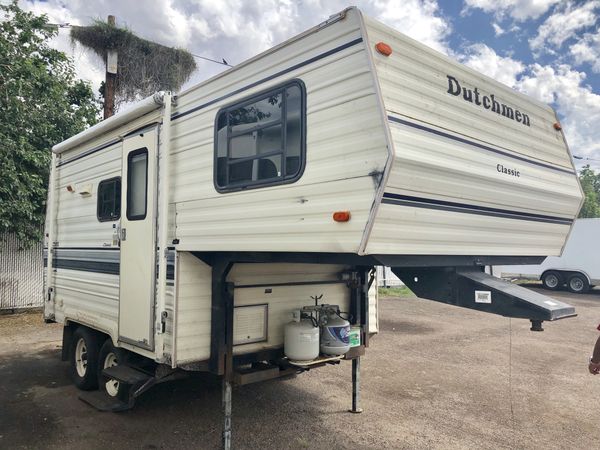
(109, 200)
(261, 141)
(137, 184)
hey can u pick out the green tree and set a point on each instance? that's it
(41, 104)
(590, 183)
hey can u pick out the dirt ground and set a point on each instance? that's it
(435, 377)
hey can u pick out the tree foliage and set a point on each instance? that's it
(590, 183)
(41, 104)
(143, 67)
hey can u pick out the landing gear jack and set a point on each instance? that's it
(356, 409)
(227, 414)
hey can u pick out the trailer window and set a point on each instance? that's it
(137, 184)
(261, 141)
(109, 200)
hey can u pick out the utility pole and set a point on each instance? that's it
(110, 77)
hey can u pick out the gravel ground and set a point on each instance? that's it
(435, 377)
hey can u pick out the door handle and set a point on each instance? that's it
(122, 234)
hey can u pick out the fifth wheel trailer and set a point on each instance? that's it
(577, 268)
(185, 233)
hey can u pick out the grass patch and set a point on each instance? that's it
(398, 291)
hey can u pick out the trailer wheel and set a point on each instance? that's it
(84, 359)
(552, 280)
(578, 284)
(111, 356)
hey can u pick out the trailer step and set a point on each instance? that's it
(102, 402)
(126, 374)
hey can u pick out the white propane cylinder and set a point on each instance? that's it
(335, 339)
(301, 339)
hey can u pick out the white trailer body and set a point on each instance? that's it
(580, 257)
(164, 221)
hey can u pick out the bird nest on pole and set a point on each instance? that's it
(143, 67)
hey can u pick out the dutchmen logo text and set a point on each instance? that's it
(488, 102)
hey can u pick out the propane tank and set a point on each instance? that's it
(335, 332)
(301, 338)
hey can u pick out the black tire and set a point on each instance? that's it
(578, 284)
(83, 359)
(112, 388)
(552, 280)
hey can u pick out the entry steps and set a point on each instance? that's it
(138, 382)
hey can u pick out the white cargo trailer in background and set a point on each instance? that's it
(183, 234)
(578, 268)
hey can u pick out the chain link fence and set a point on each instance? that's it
(21, 274)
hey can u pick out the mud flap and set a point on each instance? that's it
(470, 287)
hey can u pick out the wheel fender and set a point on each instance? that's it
(581, 272)
(67, 338)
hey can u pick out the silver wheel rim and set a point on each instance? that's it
(111, 386)
(552, 281)
(81, 361)
(576, 284)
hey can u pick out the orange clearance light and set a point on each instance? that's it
(557, 126)
(383, 48)
(70, 188)
(341, 216)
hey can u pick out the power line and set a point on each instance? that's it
(585, 158)
(224, 63)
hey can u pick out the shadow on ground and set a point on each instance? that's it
(41, 408)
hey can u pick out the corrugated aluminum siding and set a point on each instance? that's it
(345, 147)
(447, 152)
(21, 274)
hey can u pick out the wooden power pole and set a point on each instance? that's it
(110, 77)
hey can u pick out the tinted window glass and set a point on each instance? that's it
(137, 185)
(293, 131)
(261, 141)
(109, 200)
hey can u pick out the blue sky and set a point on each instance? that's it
(511, 37)
(549, 49)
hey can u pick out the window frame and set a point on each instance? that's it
(130, 156)
(108, 180)
(245, 185)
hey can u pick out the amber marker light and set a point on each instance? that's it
(557, 126)
(341, 216)
(383, 48)
(70, 188)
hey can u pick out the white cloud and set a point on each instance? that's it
(575, 101)
(418, 19)
(587, 50)
(566, 21)
(232, 29)
(519, 10)
(498, 30)
(485, 60)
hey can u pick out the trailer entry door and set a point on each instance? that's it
(138, 265)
